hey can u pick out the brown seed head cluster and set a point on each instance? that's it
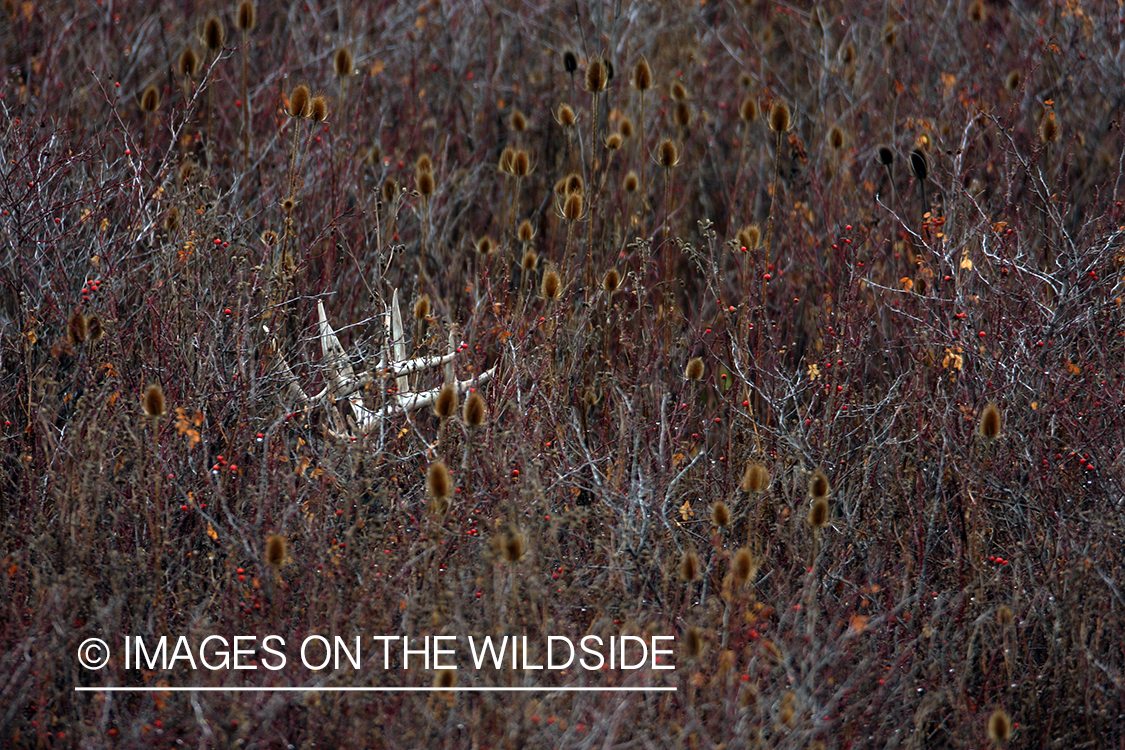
(748, 110)
(689, 566)
(780, 118)
(475, 411)
(551, 288)
(695, 369)
(439, 483)
(213, 33)
(300, 102)
(150, 100)
(597, 76)
(743, 567)
(642, 75)
(275, 551)
(720, 515)
(154, 404)
(818, 485)
(247, 17)
(188, 64)
(445, 405)
(989, 427)
(343, 63)
(422, 307)
(667, 155)
(999, 727)
(612, 281)
(756, 478)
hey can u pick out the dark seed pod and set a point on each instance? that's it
(918, 164)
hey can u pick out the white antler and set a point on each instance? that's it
(344, 383)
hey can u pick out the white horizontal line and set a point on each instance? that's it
(374, 690)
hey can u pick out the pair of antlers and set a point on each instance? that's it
(344, 383)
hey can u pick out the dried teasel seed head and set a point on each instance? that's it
(150, 100)
(749, 237)
(989, 427)
(439, 483)
(597, 76)
(885, 156)
(689, 566)
(96, 330)
(425, 183)
(154, 404)
(818, 514)
(422, 307)
(572, 207)
(667, 155)
(275, 551)
(743, 567)
(836, 138)
(389, 190)
(631, 182)
(300, 101)
(188, 64)
(847, 54)
(681, 115)
(424, 164)
(574, 183)
(693, 642)
(513, 545)
(213, 33)
(445, 405)
(748, 110)
(343, 63)
(977, 12)
(269, 238)
(551, 288)
(642, 75)
(695, 369)
(678, 91)
(288, 205)
(999, 727)
(517, 121)
(1013, 80)
(475, 411)
(521, 164)
(564, 115)
(372, 156)
(918, 164)
(720, 515)
(529, 260)
(613, 141)
(1004, 616)
(611, 282)
(445, 679)
(507, 160)
(570, 61)
(77, 327)
(756, 478)
(172, 219)
(485, 246)
(780, 117)
(526, 231)
(625, 127)
(890, 34)
(1049, 130)
(247, 16)
(818, 485)
(318, 110)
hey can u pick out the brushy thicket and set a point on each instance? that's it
(874, 253)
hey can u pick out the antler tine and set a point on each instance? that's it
(398, 343)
